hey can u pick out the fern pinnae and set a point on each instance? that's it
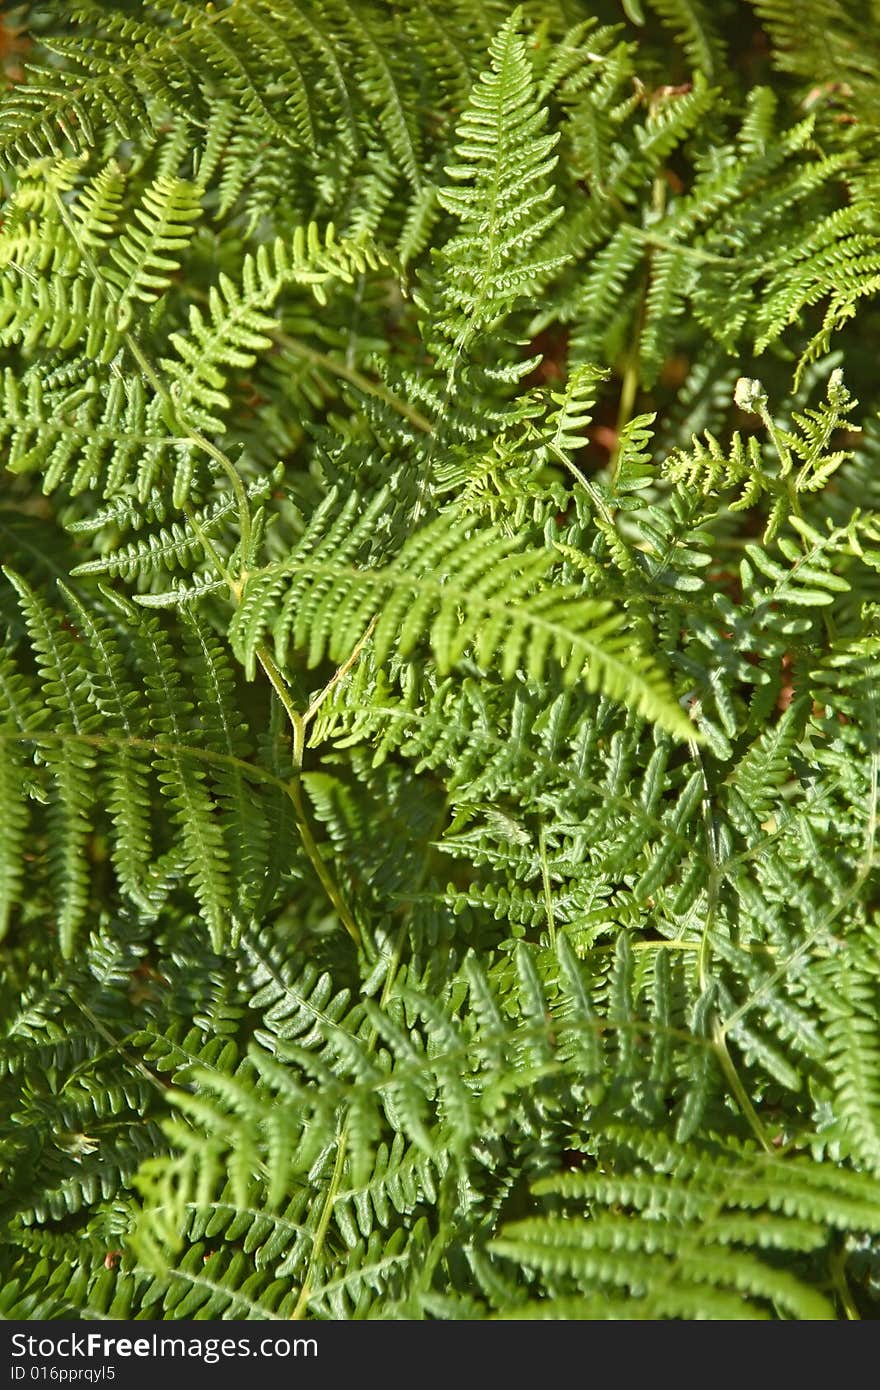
(499, 139)
(128, 800)
(70, 764)
(13, 695)
(525, 625)
(193, 805)
(214, 687)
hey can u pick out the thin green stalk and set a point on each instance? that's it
(340, 673)
(319, 864)
(719, 1035)
(548, 895)
(294, 792)
(366, 384)
(786, 464)
(628, 392)
(320, 1235)
(689, 253)
(632, 370)
(841, 1283)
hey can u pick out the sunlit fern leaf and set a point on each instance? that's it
(70, 761)
(500, 197)
(655, 1237)
(15, 717)
(241, 324)
(142, 265)
(493, 597)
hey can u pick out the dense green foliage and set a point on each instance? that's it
(439, 727)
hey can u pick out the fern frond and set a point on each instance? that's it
(489, 596)
(144, 259)
(65, 689)
(138, 740)
(402, 534)
(500, 197)
(240, 323)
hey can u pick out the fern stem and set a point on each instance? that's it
(690, 253)
(210, 549)
(117, 1046)
(867, 860)
(354, 378)
(785, 463)
(545, 879)
(340, 673)
(713, 881)
(628, 391)
(594, 496)
(737, 1089)
(319, 864)
(841, 1284)
(294, 791)
(320, 1236)
(212, 757)
(675, 944)
(279, 685)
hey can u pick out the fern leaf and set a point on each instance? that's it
(501, 194)
(144, 258)
(488, 595)
(66, 690)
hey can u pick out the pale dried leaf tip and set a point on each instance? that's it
(749, 395)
